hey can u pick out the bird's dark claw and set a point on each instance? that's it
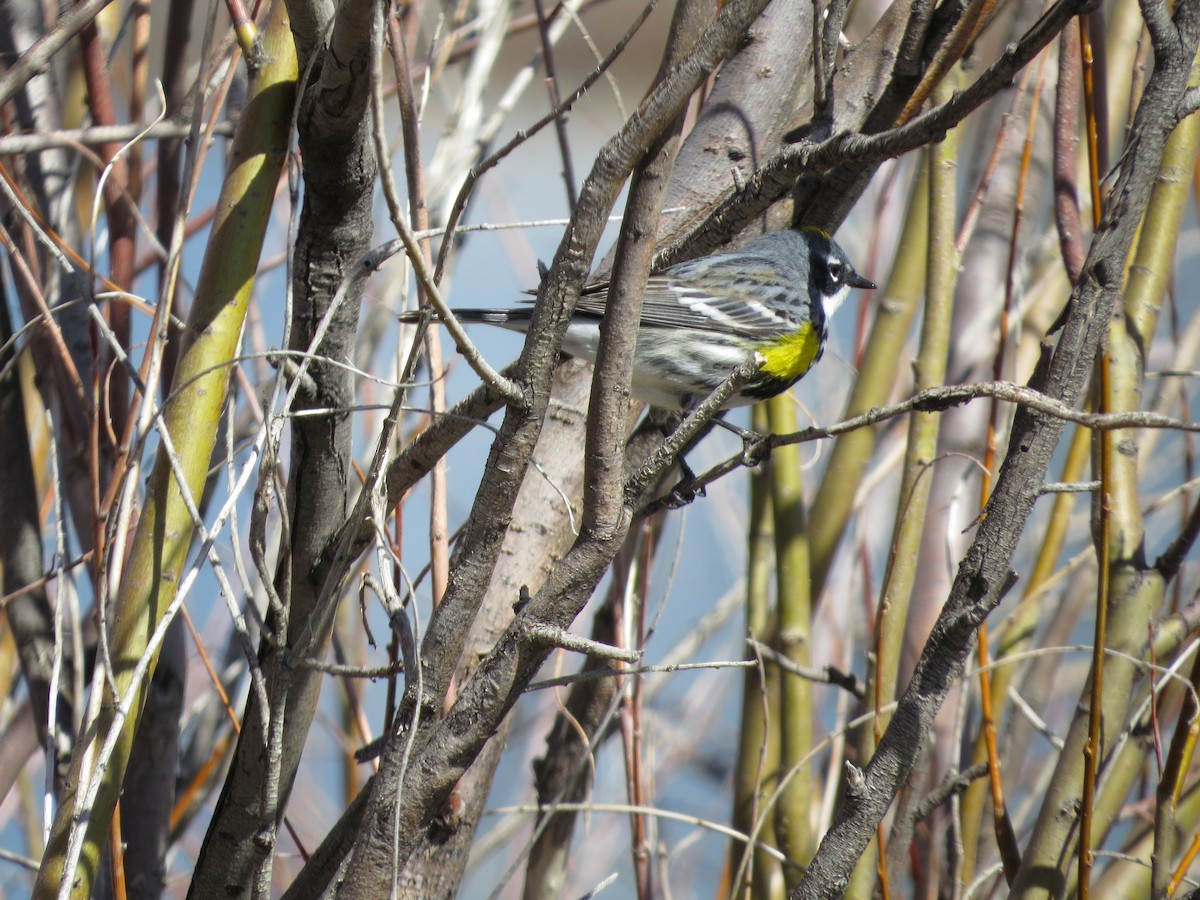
(756, 449)
(686, 489)
(683, 494)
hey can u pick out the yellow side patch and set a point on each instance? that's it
(793, 355)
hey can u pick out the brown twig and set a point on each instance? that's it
(1091, 750)
(560, 121)
(1066, 123)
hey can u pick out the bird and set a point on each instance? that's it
(703, 318)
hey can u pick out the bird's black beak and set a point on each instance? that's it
(855, 280)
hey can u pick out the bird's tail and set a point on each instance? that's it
(505, 318)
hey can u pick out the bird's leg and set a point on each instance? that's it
(665, 421)
(686, 490)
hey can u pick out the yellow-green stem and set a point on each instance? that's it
(793, 814)
(756, 773)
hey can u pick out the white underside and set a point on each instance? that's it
(692, 379)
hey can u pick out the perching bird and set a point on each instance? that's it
(703, 318)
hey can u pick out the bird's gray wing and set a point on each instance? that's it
(728, 293)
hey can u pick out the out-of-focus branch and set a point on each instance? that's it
(36, 142)
(38, 57)
(30, 614)
(1066, 140)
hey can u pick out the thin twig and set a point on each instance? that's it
(848, 681)
(951, 785)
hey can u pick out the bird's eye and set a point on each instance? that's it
(834, 267)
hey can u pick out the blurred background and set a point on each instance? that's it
(694, 581)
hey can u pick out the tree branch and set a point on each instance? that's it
(779, 174)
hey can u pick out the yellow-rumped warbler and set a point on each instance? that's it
(703, 318)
